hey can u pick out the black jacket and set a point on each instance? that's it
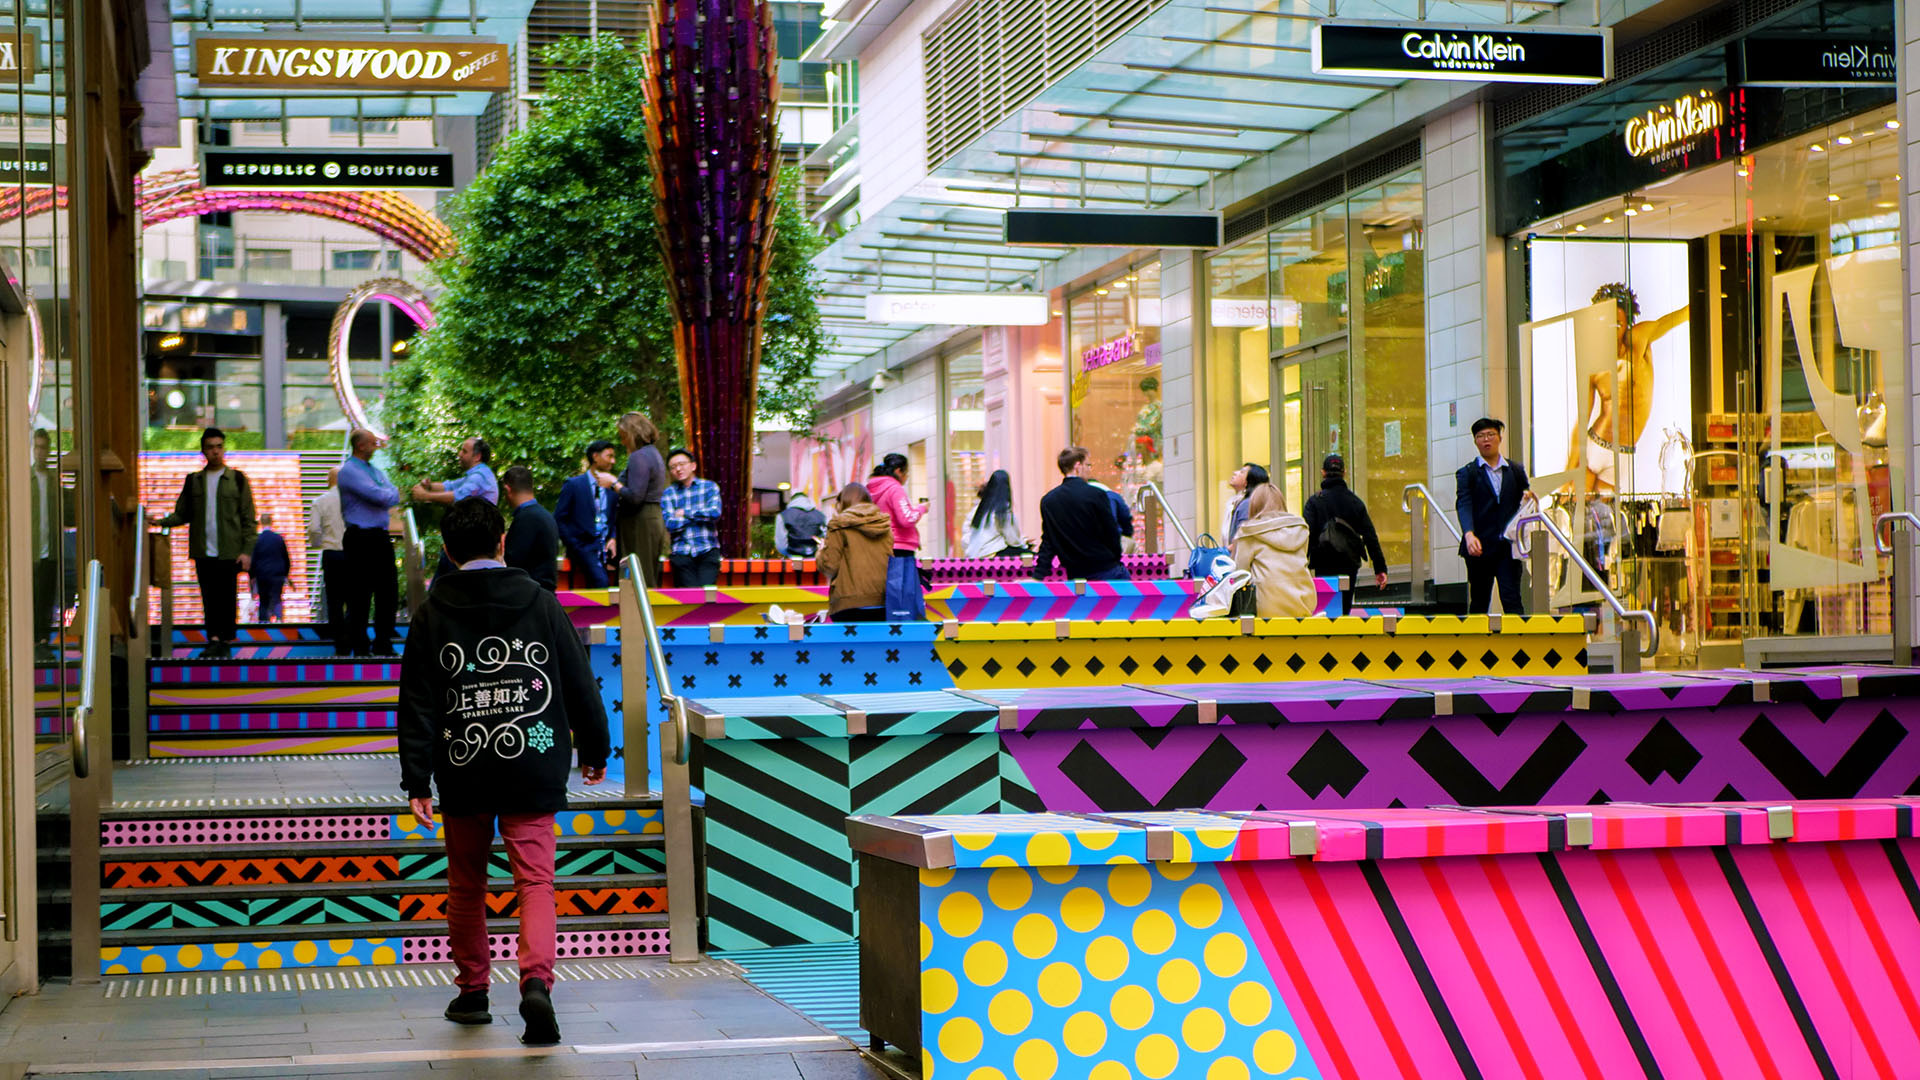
(1336, 500)
(495, 696)
(533, 544)
(1483, 513)
(1077, 527)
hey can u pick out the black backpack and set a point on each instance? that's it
(1343, 541)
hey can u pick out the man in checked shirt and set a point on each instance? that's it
(691, 507)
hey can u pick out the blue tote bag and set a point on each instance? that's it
(906, 601)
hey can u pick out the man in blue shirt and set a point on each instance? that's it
(691, 507)
(477, 481)
(366, 496)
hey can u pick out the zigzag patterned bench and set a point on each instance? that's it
(1598, 941)
(782, 771)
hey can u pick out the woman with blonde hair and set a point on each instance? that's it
(1272, 546)
(642, 528)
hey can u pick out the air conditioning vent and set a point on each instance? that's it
(990, 57)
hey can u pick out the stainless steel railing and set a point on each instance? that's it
(413, 559)
(139, 639)
(1630, 651)
(676, 783)
(1422, 567)
(94, 599)
(1899, 545)
(1140, 504)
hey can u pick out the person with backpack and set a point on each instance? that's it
(798, 529)
(1341, 532)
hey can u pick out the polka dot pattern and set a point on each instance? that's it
(1112, 969)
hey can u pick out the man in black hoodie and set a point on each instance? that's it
(1340, 531)
(495, 696)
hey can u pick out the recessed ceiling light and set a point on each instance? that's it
(1833, 198)
(1631, 212)
(1845, 140)
(1893, 125)
(1740, 172)
(1817, 148)
(1099, 292)
(1608, 220)
(1579, 228)
(1647, 206)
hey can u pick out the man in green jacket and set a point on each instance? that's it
(216, 506)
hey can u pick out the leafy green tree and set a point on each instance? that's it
(554, 319)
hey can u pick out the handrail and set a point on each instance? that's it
(413, 559)
(1886, 547)
(1434, 509)
(633, 575)
(90, 646)
(1140, 504)
(139, 559)
(1594, 578)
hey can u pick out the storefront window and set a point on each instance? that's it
(1317, 345)
(1113, 349)
(966, 428)
(1711, 363)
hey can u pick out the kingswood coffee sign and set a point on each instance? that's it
(384, 62)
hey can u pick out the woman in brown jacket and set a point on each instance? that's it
(854, 556)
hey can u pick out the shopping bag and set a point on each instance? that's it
(1218, 597)
(906, 600)
(1205, 553)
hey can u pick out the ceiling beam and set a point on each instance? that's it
(1234, 44)
(1215, 99)
(1131, 163)
(1175, 122)
(1143, 144)
(1305, 78)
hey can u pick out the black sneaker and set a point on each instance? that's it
(469, 1008)
(536, 1008)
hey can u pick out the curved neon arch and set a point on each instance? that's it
(177, 193)
(411, 302)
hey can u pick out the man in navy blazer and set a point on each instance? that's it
(1488, 491)
(585, 517)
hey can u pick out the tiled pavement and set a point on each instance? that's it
(654, 1026)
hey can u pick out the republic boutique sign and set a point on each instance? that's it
(377, 62)
(1464, 52)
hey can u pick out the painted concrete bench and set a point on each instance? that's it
(782, 771)
(1593, 941)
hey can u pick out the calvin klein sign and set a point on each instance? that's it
(1464, 52)
(301, 170)
(1817, 60)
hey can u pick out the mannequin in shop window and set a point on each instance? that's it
(1616, 426)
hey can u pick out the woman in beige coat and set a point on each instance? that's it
(1272, 546)
(854, 556)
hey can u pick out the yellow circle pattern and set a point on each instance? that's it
(1108, 972)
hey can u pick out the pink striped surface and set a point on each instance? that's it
(162, 832)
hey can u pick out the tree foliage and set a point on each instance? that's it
(554, 319)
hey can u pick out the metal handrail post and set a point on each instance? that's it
(1417, 570)
(413, 559)
(676, 782)
(1139, 503)
(139, 643)
(1628, 663)
(1899, 578)
(85, 790)
(162, 558)
(1540, 575)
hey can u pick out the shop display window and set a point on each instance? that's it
(1113, 351)
(1707, 362)
(1316, 344)
(966, 431)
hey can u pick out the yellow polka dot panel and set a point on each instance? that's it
(1119, 970)
(1038, 840)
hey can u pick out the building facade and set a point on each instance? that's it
(1681, 286)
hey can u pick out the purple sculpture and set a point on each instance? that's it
(716, 146)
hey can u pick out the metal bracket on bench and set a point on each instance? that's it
(950, 629)
(1493, 622)
(856, 718)
(1247, 623)
(986, 587)
(796, 631)
(713, 594)
(1443, 703)
(1779, 822)
(717, 632)
(1303, 838)
(1062, 628)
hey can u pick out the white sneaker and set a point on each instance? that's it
(1217, 597)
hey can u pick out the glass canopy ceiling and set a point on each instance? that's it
(1194, 90)
(501, 20)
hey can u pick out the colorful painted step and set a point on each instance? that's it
(805, 759)
(201, 707)
(193, 890)
(1712, 939)
(266, 634)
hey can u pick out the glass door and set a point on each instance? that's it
(1313, 419)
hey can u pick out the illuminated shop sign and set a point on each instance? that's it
(385, 62)
(1110, 352)
(301, 170)
(17, 55)
(1817, 60)
(958, 309)
(1671, 129)
(1464, 52)
(29, 165)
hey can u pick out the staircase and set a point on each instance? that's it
(336, 883)
(271, 707)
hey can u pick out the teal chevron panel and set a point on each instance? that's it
(1017, 795)
(925, 774)
(778, 865)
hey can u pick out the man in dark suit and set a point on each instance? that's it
(585, 517)
(533, 543)
(1488, 491)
